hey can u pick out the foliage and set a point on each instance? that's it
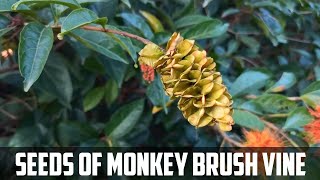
(83, 87)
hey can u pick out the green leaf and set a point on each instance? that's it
(247, 82)
(298, 118)
(208, 29)
(139, 23)
(191, 20)
(55, 79)
(26, 137)
(275, 103)
(70, 133)
(125, 43)
(311, 95)
(271, 27)
(156, 94)
(247, 119)
(70, 3)
(5, 5)
(317, 72)
(4, 21)
(124, 119)
(99, 42)
(5, 30)
(126, 2)
(112, 91)
(93, 98)
(35, 45)
(114, 69)
(78, 18)
(286, 81)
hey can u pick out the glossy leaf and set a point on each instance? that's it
(92, 98)
(55, 80)
(70, 133)
(311, 95)
(112, 92)
(35, 45)
(99, 42)
(70, 3)
(156, 94)
(78, 18)
(124, 119)
(275, 103)
(298, 118)
(208, 29)
(247, 82)
(247, 119)
(286, 81)
(191, 20)
(139, 23)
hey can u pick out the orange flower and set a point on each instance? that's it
(313, 131)
(313, 128)
(262, 139)
(148, 72)
(315, 113)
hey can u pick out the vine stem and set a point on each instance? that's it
(228, 139)
(113, 31)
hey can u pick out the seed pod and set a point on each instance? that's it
(187, 73)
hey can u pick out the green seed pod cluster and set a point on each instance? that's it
(188, 74)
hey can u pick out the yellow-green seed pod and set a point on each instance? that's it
(187, 73)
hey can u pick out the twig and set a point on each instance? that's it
(228, 139)
(11, 68)
(11, 116)
(252, 96)
(272, 126)
(18, 100)
(122, 33)
(299, 40)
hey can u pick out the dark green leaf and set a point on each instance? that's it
(311, 95)
(208, 29)
(286, 81)
(78, 18)
(35, 45)
(156, 93)
(5, 5)
(71, 133)
(70, 3)
(125, 43)
(191, 20)
(56, 80)
(139, 23)
(126, 2)
(112, 91)
(124, 119)
(298, 118)
(98, 41)
(275, 103)
(247, 119)
(93, 97)
(247, 82)
(114, 69)
(271, 27)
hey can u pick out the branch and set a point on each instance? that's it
(228, 139)
(122, 33)
(280, 131)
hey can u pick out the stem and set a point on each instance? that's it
(122, 33)
(272, 126)
(228, 139)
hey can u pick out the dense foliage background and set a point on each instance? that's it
(92, 93)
